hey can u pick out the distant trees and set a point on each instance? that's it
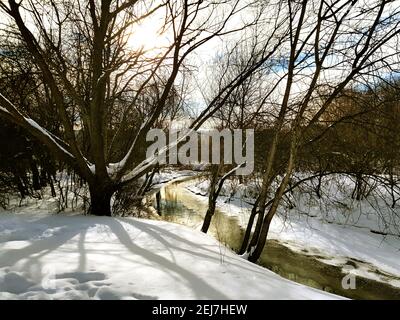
(362, 137)
(25, 164)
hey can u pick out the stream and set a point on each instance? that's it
(179, 205)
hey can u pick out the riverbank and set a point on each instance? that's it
(308, 264)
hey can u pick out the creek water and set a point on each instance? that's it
(179, 205)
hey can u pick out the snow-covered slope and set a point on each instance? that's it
(324, 230)
(78, 257)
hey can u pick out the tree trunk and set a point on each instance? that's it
(21, 188)
(158, 202)
(255, 255)
(50, 180)
(100, 200)
(260, 210)
(208, 218)
(35, 176)
(318, 190)
(249, 227)
(357, 192)
(212, 197)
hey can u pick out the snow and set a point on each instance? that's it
(2, 109)
(92, 168)
(151, 161)
(46, 256)
(324, 230)
(35, 125)
(169, 175)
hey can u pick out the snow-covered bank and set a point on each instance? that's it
(343, 238)
(168, 175)
(78, 257)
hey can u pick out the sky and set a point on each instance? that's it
(146, 34)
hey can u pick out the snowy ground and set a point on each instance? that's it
(335, 236)
(45, 256)
(81, 257)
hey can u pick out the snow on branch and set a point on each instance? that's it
(8, 110)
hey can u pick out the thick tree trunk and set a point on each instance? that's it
(100, 200)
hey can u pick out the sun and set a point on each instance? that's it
(148, 36)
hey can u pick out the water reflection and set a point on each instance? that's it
(178, 205)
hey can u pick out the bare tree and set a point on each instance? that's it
(81, 49)
(330, 45)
